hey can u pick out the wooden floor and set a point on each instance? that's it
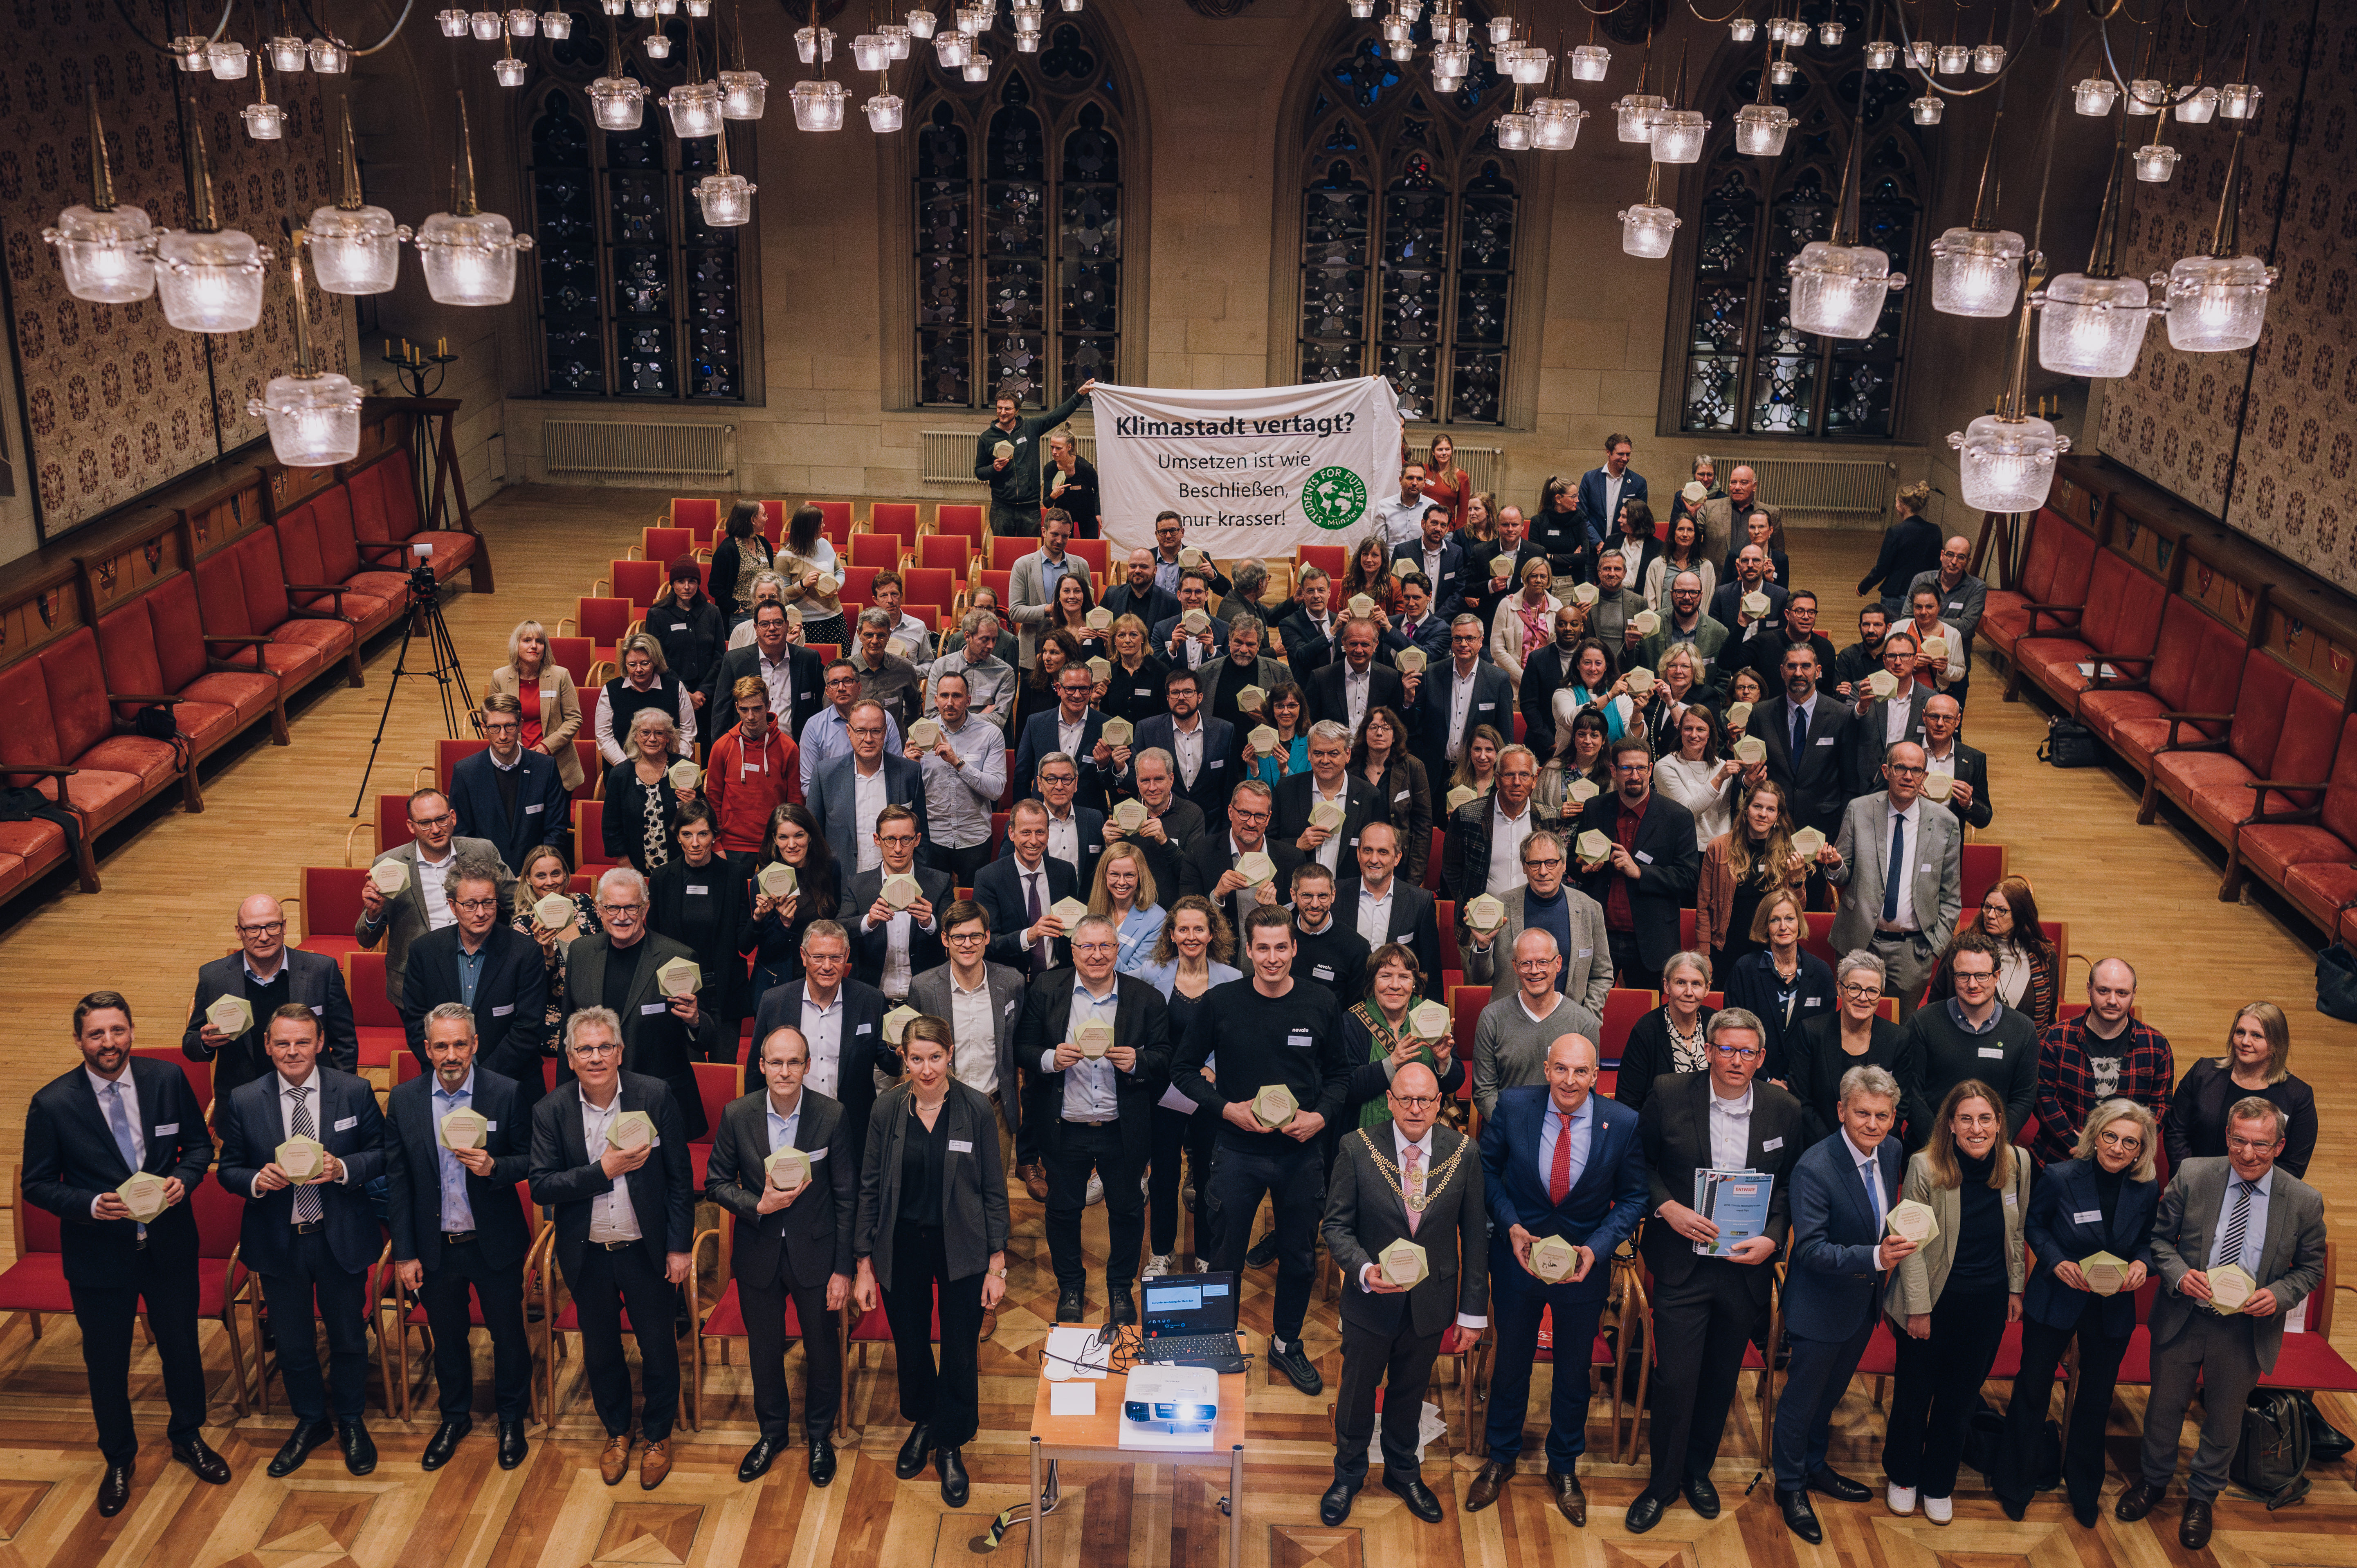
(173, 881)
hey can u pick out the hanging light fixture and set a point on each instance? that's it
(1742, 29)
(208, 277)
(264, 121)
(1647, 229)
(2092, 323)
(883, 107)
(1839, 286)
(2239, 101)
(819, 105)
(331, 55)
(2147, 95)
(105, 252)
(522, 22)
(1922, 55)
(1881, 54)
(470, 254)
(556, 24)
(452, 22)
(1953, 58)
(1760, 125)
(1976, 270)
(2217, 303)
(2094, 97)
(951, 49)
(1591, 60)
(815, 44)
(1362, 9)
(694, 105)
(617, 101)
(976, 68)
(658, 44)
(192, 54)
(1555, 124)
(228, 61)
(355, 248)
(313, 416)
(1989, 58)
(1929, 108)
(486, 26)
(1830, 34)
(508, 68)
(2154, 161)
(727, 199)
(2199, 107)
(2006, 459)
(1678, 133)
(286, 51)
(745, 94)
(922, 24)
(894, 34)
(1635, 111)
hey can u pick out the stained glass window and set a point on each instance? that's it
(1019, 225)
(1408, 219)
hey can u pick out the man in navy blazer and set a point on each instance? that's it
(1603, 491)
(834, 786)
(1215, 754)
(1841, 1257)
(85, 1135)
(264, 972)
(842, 1022)
(1437, 722)
(488, 966)
(1330, 689)
(1003, 889)
(1441, 560)
(311, 1241)
(1560, 1160)
(511, 795)
(457, 1226)
(1044, 736)
(1420, 623)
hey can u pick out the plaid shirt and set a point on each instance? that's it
(2067, 1089)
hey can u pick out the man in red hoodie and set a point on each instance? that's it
(754, 770)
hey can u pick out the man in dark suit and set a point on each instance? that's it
(792, 1244)
(892, 946)
(1811, 745)
(266, 974)
(1210, 867)
(1204, 749)
(457, 1226)
(1841, 1257)
(835, 795)
(1410, 1180)
(86, 1134)
(492, 968)
(1095, 1107)
(1603, 491)
(619, 968)
(1072, 727)
(510, 795)
(795, 677)
(1548, 670)
(625, 1219)
(1649, 871)
(1019, 888)
(1557, 1160)
(1441, 560)
(423, 903)
(1484, 585)
(1141, 595)
(1419, 623)
(1076, 835)
(1743, 628)
(1309, 632)
(1382, 908)
(1884, 721)
(1352, 687)
(1764, 653)
(842, 1026)
(1507, 811)
(1446, 703)
(1966, 769)
(1329, 782)
(1709, 1305)
(1172, 823)
(1183, 649)
(311, 1241)
(958, 991)
(1327, 948)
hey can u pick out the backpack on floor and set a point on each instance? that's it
(1984, 1447)
(2336, 983)
(2070, 744)
(2274, 1453)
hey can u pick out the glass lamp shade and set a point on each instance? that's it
(2155, 163)
(1775, 30)
(1555, 124)
(2093, 326)
(1881, 55)
(744, 94)
(2007, 464)
(970, 20)
(1362, 9)
(1975, 273)
(356, 252)
(699, 8)
(1761, 129)
(2094, 97)
(1028, 18)
(612, 7)
(470, 261)
(694, 108)
(1954, 58)
(1830, 34)
(727, 199)
(1408, 10)
(1989, 59)
(951, 49)
(2216, 304)
(1678, 135)
(1451, 60)
(313, 421)
(1072, 5)
(105, 256)
(510, 70)
(1742, 29)
(2239, 101)
(210, 283)
(868, 52)
(1929, 108)
(1514, 132)
(556, 24)
(2200, 107)
(618, 103)
(1395, 30)
(523, 24)
(331, 57)
(1783, 72)
(265, 122)
(485, 26)
(1646, 232)
(230, 61)
(1839, 290)
(922, 24)
(1027, 43)
(2146, 96)
(642, 9)
(976, 67)
(883, 113)
(896, 39)
(1796, 33)
(1636, 112)
(1922, 56)
(1589, 62)
(287, 55)
(658, 47)
(815, 46)
(452, 22)
(192, 54)
(1531, 67)
(1402, 50)
(1501, 28)
(819, 105)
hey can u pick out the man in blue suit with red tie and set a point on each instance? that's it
(1556, 1161)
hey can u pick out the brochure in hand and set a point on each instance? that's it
(1735, 1202)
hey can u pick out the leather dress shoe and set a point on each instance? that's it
(1487, 1485)
(1799, 1517)
(1569, 1496)
(2137, 1501)
(654, 1464)
(1644, 1513)
(1840, 1488)
(1335, 1505)
(513, 1446)
(2086, 1510)
(614, 1463)
(821, 1458)
(114, 1491)
(444, 1442)
(1072, 1305)
(1296, 1364)
(949, 1464)
(359, 1448)
(989, 1323)
(1121, 1307)
(1035, 1182)
(298, 1446)
(1262, 1252)
(757, 1459)
(202, 1462)
(1701, 1496)
(1411, 1490)
(2193, 1528)
(913, 1453)
(2016, 1510)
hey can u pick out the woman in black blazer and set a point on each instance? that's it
(1855, 1034)
(742, 552)
(932, 1215)
(1670, 1037)
(773, 936)
(2258, 1053)
(1784, 985)
(1380, 756)
(640, 812)
(700, 899)
(2101, 1201)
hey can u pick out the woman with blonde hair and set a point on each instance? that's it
(641, 805)
(1741, 866)
(645, 683)
(1124, 893)
(2258, 1061)
(1193, 952)
(1911, 547)
(1132, 690)
(544, 873)
(1524, 622)
(544, 690)
(1780, 981)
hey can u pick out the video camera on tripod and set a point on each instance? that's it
(424, 619)
(422, 584)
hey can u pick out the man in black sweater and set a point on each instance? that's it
(1972, 1035)
(1864, 657)
(1016, 493)
(1269, 1030)
(1325, 950)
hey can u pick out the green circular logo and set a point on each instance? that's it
(1334, 497)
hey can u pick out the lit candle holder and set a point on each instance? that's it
(289, 55)
(1830, 34)
(452, 22)
(1839, 290)
(2094, 97)
(2155, 163)
(331, 57)
(1678, 135)
(1929, 108)
(2199, 107)
(1635, 112)
(2092, 326)
(486, 26)
(1647, 231)
(694, 108)
(2007, 464)
(1761, 129)
(2239, 101)
(744, 94)
(1742, 29)
(1881, 55)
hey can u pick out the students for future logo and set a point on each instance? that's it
(1334, 497)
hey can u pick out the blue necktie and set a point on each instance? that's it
(1895, 868)
(1800, 737)
(119, 1120)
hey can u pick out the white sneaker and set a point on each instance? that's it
(1096, 1188)
(1156, 1265)
(1939, 1510)
(1900, 1500)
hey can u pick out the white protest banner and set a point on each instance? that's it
(1253, 471)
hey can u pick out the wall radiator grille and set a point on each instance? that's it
(1848, 487)
(639, 451)
(947, 455)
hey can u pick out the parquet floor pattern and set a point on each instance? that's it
(173, 880)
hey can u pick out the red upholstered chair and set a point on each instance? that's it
(2188, 694)
(330, 901)
(1984, 868)
(449, 754)
(723, 1320)
(837, 526)
(1465, 1004)
(242, 594)
(2308, 1359)
(894, 517)
(2276, 713)
(371, 600)
(1819, 937)
(963, 520)
(664, 545)
(1097, 554)
(951, 553)
(605, 621)
(1004, 552)
(874, 553)
(133, 668)
(1432, 883)
(1452, 961)
(376, 1020)
(773, 522)
(58, 731)
(386, 514)
(1333, 560)
(700, 515)
(1622, 1008)
(1000, 583)
(2120, 627)
(341, 559)
(590, 836)
(199, 1074)
(576, 654)
(637, 581)
(2056, 564)
(2303, 851)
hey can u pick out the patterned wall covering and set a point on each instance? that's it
(116, 401)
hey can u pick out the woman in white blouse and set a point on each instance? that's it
(1698, 778)
(1937, 673)
(1525, 621)
(806, 560)
(1683, 553)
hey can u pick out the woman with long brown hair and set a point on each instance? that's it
(775, 940)
(1742, 866)
(2029, 965)
(1371, 575)
(1445, 484)
(1193, 952)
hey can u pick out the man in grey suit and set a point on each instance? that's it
(2240, 1212)
(1409, 1180)
(1884, 721)
(1963, 597)
(1031, 587)
(267, 974)
(423, 904)
(1905, 921)
(792, 1244)
(847, 792)
(1543, 903)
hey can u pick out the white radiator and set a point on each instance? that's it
(947, 455)
(1481, 465)
(1833, 484)
(639, 451)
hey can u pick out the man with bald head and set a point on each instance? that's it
(2106, 1053)
(1141, 595)
(1963, 597)
(1723, 516)
(266, 974)
(1557, 1161)
(1965, 767)
(1515, 1030)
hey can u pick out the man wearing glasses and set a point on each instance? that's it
(982, 1001)
(488, 966)
(1900, 870)
(1542, 903)
(510, 795)
(423, 904)
(1094, 1103)
(267, 974)
(1708, 1305)
(1514, 1033)
(1648, 870)
(663, 1036)
(848, 793)
(1972, 1035)
(1209, 868)
(826, 735)
(893, 944)
(1482, 852)
(1072, 729)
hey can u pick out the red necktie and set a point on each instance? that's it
(1559, 1178)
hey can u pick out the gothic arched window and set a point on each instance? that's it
(1019, 223)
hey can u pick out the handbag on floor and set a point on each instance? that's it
(2336, 983)
(2070, 744)
(2275, 1450)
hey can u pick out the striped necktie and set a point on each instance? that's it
(304, 1125)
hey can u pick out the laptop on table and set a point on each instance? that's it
(1190, 1320)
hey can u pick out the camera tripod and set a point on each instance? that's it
(425, 617)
